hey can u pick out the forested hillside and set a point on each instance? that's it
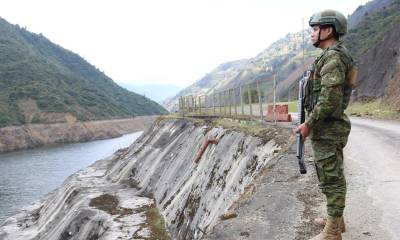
(43, 82)
(372, 28)
(375, 46)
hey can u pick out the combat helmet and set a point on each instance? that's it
(332, 18)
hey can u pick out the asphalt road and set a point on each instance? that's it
(372, 168)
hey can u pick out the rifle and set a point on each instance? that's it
(301, 118)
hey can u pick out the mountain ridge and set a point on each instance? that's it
(56, 81)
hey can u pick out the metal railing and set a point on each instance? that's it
(248, 101)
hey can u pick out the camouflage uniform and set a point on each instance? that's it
(327, 96)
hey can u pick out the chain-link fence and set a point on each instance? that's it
(250, 101)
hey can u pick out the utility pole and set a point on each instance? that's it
(274, 98)
(303, 41)
(241, 100)
(259, 99)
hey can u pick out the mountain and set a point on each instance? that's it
(374, 44)
(363, 10)
(218, 78)
(43, 82)
(372, 40)
(282, 58)
(156, 92)
(373, 27)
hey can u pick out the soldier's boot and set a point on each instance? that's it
(322, 221)
(331, 230)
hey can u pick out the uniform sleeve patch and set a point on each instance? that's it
(333, 71)
(330, 66)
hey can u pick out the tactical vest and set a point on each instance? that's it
(312, 87)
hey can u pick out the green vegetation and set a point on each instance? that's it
(293, 106)
(58, 81)
(375, 109)
(372, 29)
(266, 132)
(156, 223)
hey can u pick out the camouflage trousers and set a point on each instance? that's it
(328, 159)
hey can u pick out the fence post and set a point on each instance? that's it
(205, 105)
(180, 107)
(220, 104)
(230, 102)
(213, 102)
(274, 108)
(199, 105)
(184, 105)
(250, 104)
(241, 99)
(187, 103)
(224, 103)
(235, 101)
(259, 100)
(195, 105)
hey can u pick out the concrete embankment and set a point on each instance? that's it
(35, 135)
(155, 190)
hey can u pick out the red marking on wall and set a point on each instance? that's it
(204, 147)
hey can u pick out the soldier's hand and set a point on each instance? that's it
(303, 129)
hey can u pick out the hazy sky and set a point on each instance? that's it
(164, 41)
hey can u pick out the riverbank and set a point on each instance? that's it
(35, 135)
(28, 175)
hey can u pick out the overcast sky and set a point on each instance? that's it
(164, 41)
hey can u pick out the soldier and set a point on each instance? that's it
(327, 94)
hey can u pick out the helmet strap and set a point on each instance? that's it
(318, 42)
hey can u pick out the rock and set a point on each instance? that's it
(228, 215)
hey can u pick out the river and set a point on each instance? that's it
(26, 176)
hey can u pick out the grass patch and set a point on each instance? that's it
(264, 131)
(374, 109)
(109, 204)
(293, 106)
(154, 220)
(156, 224)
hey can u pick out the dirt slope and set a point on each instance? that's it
(377, 66)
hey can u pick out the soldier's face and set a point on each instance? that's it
(324, 33)
(314, 33)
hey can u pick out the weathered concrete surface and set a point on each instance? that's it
(158, 169)
(282, 207)
(66, 213)
(35, 135)
(192, 196)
